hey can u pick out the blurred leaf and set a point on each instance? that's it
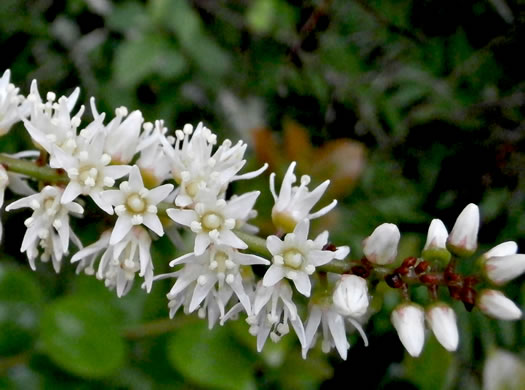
(343, 162)
(127, 16)
(20, 301)
(297, 143)
(260, 15)
(81, 336)
(211, 357)
(184, 22)
(434, 369)
(137, 59)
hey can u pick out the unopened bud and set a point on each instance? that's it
(501, 269)
(463, 240)
(436, 245)
(442, 320)
(351, 296)
(381, 246)
(494, 304)
(409, 321)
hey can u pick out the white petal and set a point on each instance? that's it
(273, 275)
(301, 230)
(135, 179)
(72, 191)
(113, 197)
(122, 227)
(246, 259)
(240, 207)
(303, 284)
(116, 171)
(336, 325)
(100, 202)
(152, 221)
(183, 217)
(158, 194)
(274, 245)
(202, 241)
(227, 237)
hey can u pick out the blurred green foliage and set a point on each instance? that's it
(430, 92)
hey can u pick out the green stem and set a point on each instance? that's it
(31, 169)
(158, 327)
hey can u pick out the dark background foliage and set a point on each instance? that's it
(413, 108)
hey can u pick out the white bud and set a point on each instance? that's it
(501, 269)
(351, 296)
(409, 321)
(494, 304)
(504, 249)
(442, 320)
(463, 240)
(381, 246)
(503, 370)
(437, 235)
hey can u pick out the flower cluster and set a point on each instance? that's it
(144, 179)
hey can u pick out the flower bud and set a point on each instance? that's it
(463, 240)
(442, 320)
(351, 296)
(436, 245)
(494, 304)
(381, 246)
(501, 269)
(503, 370)
(409, 321)
(504, 249)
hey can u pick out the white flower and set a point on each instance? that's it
(89, 171)
(333, 329)
(409, 321)
(214, 219)
(48, 227)
(50, 123)
(153, 162)
(10, 103)
(442, 320)
(494, 304)
(194, 167)
(503, 371)
(349, 301)
(215, 274)
(296, 257)
(135, 205)
(273, 307)
(294, 203)
(119, 263)
(351, 296)
(381, 246)
(122, 135)
(463, 238)
(502, 263)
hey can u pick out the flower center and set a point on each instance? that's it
(135, 203)
(293, 258)
(211, 221)
(192, 188)
(88, 176)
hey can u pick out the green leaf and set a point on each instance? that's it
(434, 369)
(211, 358)
(20, 299)
(81, 336)
(137, 59)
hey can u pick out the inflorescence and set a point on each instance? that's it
(138, 171)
